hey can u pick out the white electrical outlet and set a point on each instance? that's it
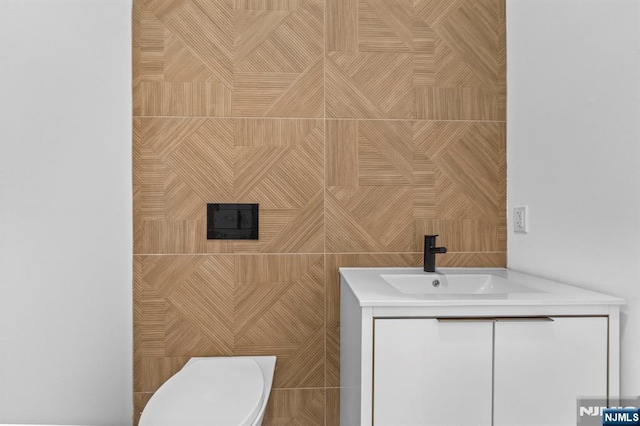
(520, 219)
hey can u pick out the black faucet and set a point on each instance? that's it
(430, 251)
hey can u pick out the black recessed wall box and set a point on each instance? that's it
(232, 221)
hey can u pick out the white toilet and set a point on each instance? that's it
(215, 391)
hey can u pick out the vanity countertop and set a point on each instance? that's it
(371, 289)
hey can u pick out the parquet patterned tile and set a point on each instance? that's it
(385, 26)
(278, 310)
(218, 58)
(468, 64)
(369, 219)
(149, 321)
(205, 28)
(151, 373)
(463, 235)
(445, 177)
(474, 260)
(385, 153)
(286, 5)
(369, 85)
(224, 305)
(183, 163)
(278, 41)
(341, 26)
(202, 305)
(295, 407)
(453, 103)
(332, 407)
(184, 62)
(193, 305)
(453, 66)
(470, 166)
(230, 101)
(502, 59)
(342, 153)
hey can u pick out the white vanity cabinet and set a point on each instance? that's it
(484, 371)
(540, 368)
(427, 372)
(495, 359)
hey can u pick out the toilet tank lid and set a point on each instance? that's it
(208, 391)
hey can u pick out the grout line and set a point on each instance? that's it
(230, 117)
(413, 119)
(357, 46)
(307, 388)
(324, 198)
(313, 253)
(324, 118)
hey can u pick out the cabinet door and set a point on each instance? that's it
(542, 367)
(428, 372)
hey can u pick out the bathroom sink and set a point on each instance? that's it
(453, 284)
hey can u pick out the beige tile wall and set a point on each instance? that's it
(357, 125)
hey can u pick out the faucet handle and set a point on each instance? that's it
(429, 241)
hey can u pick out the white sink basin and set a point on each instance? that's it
(461, 288)
(454, 284)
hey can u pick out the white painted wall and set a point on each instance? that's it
(574, 149)
(65, 212)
